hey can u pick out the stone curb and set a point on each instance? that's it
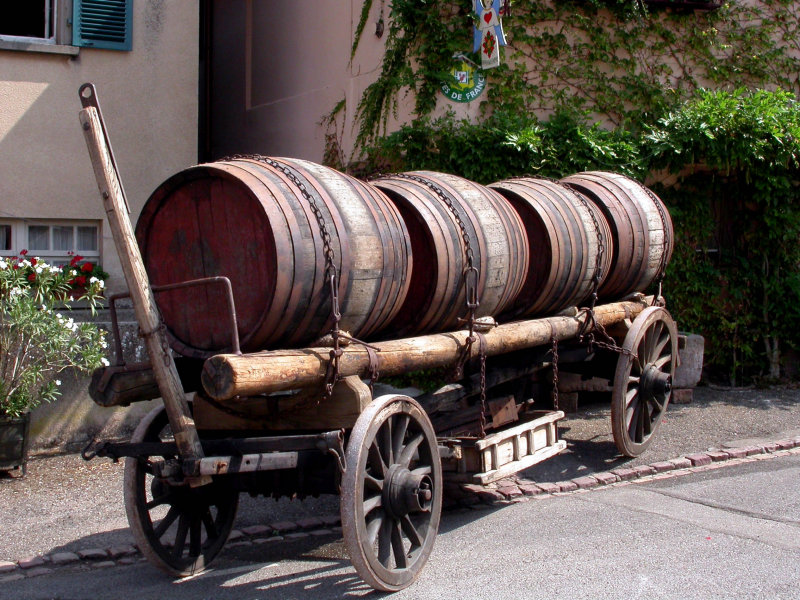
(507, 491)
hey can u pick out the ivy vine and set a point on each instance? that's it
(639, 87)
(622, 61)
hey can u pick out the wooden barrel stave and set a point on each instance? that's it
(559, 225)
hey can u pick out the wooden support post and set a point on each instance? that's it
(141, 295)
(227, 375)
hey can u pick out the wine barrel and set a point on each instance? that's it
(252, 219)
(434, 207)
(569, 244)
(640, 227)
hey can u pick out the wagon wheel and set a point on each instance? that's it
(643, 380)
(179, 529)
(391, 496)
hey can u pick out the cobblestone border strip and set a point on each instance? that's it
(464, 495)
(98, 558)
(516, 489)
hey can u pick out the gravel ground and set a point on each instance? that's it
(66, 504)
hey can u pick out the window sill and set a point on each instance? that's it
(39, 47)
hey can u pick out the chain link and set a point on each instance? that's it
(554, 351)
(601, 246)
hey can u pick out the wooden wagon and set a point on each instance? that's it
(302, 421)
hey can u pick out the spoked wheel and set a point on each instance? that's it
(643, 380)
(179, 529)
(391, 496)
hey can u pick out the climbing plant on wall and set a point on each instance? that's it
(625, 62)
(623, 85)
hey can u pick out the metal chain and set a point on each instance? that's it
(554, 351)
(471, 278)
(482, 348)
(601, 246)
(331, 273)
(449, 203)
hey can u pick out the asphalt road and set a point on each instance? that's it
(730, 532)
(65, 504)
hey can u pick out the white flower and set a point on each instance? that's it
(58, 382)
(3, 264)
(104, 361)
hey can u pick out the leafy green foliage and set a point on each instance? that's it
(505, 146)
(744, 207)
(617, 60)
(625, 85)
(37, 342)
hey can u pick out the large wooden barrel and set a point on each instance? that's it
(432, 204)
(248, 219)
(640, 226)
(569, 244)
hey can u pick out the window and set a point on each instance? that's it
(54, 241)
(31, 20)
(5, 237)
(102, 24)
(60, 25)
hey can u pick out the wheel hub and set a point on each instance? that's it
(654, 382)
(405, 493)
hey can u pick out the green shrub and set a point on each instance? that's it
(735, 275)
(37, 342)
(736, 269)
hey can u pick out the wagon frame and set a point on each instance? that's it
(385, 457)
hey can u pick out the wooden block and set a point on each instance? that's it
(287, 411)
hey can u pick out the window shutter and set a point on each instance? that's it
(102, 24)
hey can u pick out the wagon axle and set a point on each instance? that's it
(655, 383)
(405, 493)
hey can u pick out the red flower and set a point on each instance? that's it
(32, 277)
(80, 280)
(33, 262)
(87, 267)
(75, 260)
(23, 252)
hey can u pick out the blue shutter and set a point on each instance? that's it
(102, 24)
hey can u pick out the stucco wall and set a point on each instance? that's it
(150, 103)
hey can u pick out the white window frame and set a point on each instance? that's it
(50, 26)
(19, 239)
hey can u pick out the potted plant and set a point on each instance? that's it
(38, 342)
(80, 273)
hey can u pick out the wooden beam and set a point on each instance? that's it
(136, 278)
(227, 375)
